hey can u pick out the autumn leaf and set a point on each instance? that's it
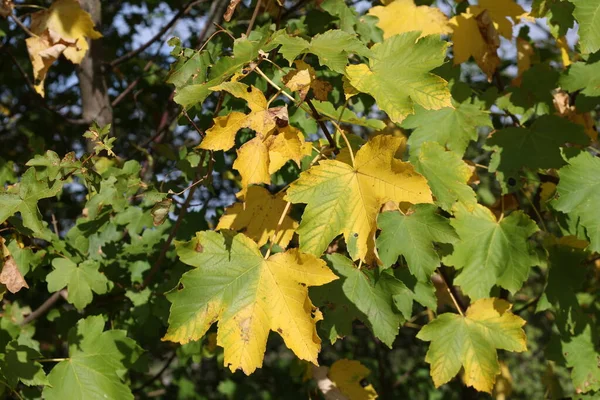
(232, 283)
(258, 217)
(504, 13)
(398, 76)
(276, 142)
(402, 16)
(470, 341)
(350, 377)
(345, 199)
(61, 29)
(10, 276)
(475, 35)
(304, 78)
(524, 53)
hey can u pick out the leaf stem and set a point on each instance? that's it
(345, 140)
(537, 212)
(51, 359)
(452, 292)
(279, 223)
(22, 25)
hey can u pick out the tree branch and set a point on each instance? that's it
(41, 310)
(182, 11)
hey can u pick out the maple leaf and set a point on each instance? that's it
(23, 198)
(475, 35)
(579, 194)
(345, 199)
(18, 363)
(61, 29)
(587, 13)
(402, 16)
(538, 146)
(413, 236)
(382, 304)
(584, 77)
(304, 78)
(524, 52)
(349, 376)
(80, 280)
(398, 75)
(491, 252)
(447, 175)
(248, 295)
(471, 341)
(258, 217)
(96, 363)
(273, 145)
(454, 127)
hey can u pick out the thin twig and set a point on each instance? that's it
(452, 292)
(182, 11)
(193, 124)
(41, 310)
(22, 25)
(253, 19)
(158, 374)
(539, 215)
(321, 123)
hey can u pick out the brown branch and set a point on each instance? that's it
(321, 123)
(158, 374)
(182, 11)
(458, 303)
(41, 310)
(253, 19)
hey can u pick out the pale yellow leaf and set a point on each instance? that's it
(500, 11)
(221, 136)
(524, 53)
(404, 16)
(253, 163)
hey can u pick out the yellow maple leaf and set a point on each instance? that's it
(404, 16)
(258, 216)
(275, 143)
(61, 29)
(500, 11)
(475, 35)
(249, 296)
(350, 376)
(346, 199)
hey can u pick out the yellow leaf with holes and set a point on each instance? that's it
(501, 12)
(345, 199)
(248, 295)
(470, 342)
(475, 35)
(258, 217)
(404, 16)
(350, 377)
(304, 78)
(61, 29)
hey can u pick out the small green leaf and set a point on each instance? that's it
(80, 280)
(587, 13)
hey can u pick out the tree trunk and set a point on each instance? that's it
(94, 93)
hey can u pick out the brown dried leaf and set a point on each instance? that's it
(11, 276)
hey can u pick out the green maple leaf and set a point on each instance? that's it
(587, 13)
(24, 197)
(95, 366)
(581, 355)
(584, 77)
(17, 363)
(413, 236)
(491, 252)
(398, 75)
(383, 304)
(579, 194)
(447, 175)
(538, 146)
(332, 48)
(80, 280)
(454, 127)
(470, 341)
